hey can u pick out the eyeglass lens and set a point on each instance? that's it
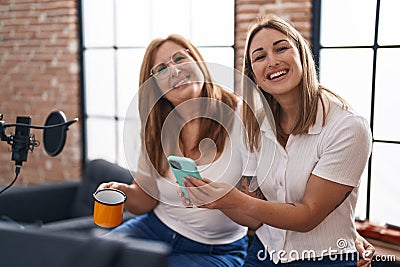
(161, 70)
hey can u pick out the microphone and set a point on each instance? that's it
(22, 141)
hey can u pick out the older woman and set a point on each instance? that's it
(184, 113)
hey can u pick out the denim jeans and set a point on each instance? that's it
(185, 252)
(255, 258)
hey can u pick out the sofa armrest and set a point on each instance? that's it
(97, 171)
(42, 203)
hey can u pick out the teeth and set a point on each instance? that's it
(180, 83)
(276, 74)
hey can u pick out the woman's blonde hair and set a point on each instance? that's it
(310, 89)
(154, 108)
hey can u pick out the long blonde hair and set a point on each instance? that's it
(154, 108)
(310, 88)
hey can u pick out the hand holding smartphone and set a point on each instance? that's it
(183, 167)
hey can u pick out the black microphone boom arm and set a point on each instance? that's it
(22, 141)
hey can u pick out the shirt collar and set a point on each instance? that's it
(314, 129)
(267, 130)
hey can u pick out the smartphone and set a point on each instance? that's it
(183, 167)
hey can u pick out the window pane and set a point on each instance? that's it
(388, 23)
(361, 208)
(120, 152)
(344, 24)
(220, 61)
(128, 69)
(129, 144)
(101, 139)
(98, 23)
(387, 95)
(132, 22)
(348, 72)
(99, 82)
(217, 28)
(385, 189)
(172, 16)
(219, 55)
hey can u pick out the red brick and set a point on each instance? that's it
(34, 35)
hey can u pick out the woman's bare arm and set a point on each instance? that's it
(320, 199)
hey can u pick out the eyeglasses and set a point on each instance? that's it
(162, 71)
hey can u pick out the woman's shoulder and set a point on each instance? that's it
(339, 110)
(346, 120)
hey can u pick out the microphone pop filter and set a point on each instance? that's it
(54, 138)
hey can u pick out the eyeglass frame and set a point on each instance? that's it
(185, 50)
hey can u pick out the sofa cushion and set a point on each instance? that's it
(83, 224)
(97, 171)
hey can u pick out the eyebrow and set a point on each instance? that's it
(274, 43)
(258, 49)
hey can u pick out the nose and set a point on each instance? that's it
(273, 61)
(174, 70)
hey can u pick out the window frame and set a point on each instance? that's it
(316, 49)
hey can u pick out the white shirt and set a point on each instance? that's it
(337, 151)
(204, 225)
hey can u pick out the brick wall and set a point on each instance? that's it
(298, 11)
(39, 73)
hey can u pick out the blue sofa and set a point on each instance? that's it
(52, 225)
(22, 247)
(61, 206)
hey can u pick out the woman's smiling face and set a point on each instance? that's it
(184, 80)
(275, 62)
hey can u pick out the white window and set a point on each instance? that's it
(115, 36)
(358, 55)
